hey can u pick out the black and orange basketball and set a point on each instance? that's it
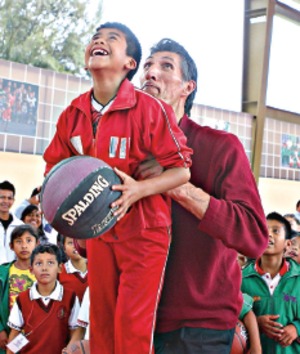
(240, 343)
(76, 197)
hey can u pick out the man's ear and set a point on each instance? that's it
(190, 87)
(131, 64)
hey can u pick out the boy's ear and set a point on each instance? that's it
(59, 270)
(131, 64)
(11, 246)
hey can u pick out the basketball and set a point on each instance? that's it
(76, 196)
(240, 339)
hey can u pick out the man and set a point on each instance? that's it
(8, 221)
(215, 215)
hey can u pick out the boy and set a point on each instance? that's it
(74, 274)
(46, 305)
(15, 276)
(274, 284)
(294, 249)
(8, 221)
(123, 126)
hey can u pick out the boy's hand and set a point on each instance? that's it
(288, 336)
(269, 326)
(131, 192)
(3, 340)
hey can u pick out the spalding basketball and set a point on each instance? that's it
(240, 340)
(76, 196)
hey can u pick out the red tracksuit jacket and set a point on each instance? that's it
(135, 126)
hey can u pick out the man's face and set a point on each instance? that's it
(162, 77)
(6, 200)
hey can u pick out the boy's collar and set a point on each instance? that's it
(284, 267)
(56, 294)
(98, 106)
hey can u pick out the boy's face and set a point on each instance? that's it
(23, 246)
(6, 200)
(277, 241)
(45, 268)
(70, 249)
(294, 249)
(107, 50)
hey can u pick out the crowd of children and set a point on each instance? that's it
(42, 282)
(53, 290)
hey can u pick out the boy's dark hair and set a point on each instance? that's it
(134, 48)
(298, 204)
(188, 66)
(8, 186)
(278, 217)
(19, 230)
(47, 248)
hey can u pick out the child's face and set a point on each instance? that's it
(294, 250)
(23, 246)
(277, 241)
(70, 249)
(107, 50)
(45, 268)
(34, 219)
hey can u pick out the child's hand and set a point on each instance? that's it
(270, 326)
(288, 336)
(3, 340)
(255, 350)
(148, 169)
(131, 192)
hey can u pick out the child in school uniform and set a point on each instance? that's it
(44, 316)
(15, 276)
(74, 274)
(273, 282)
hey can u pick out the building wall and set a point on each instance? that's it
(22, 143)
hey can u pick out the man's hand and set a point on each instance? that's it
(269, 326)
(148, 169)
